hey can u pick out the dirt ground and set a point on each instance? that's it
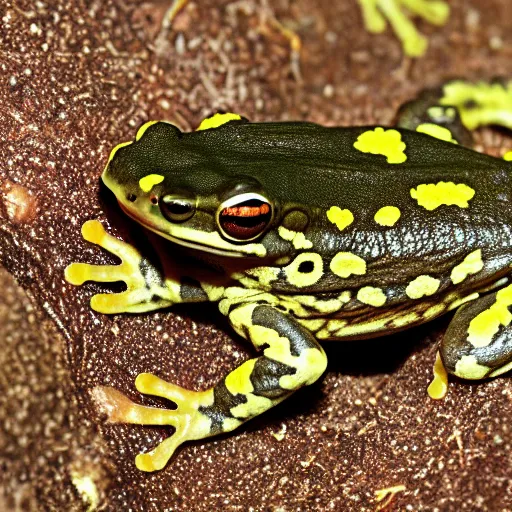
(80, 76)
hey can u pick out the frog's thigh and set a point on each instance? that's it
(286, 344)
(427, 115)
(478, 341)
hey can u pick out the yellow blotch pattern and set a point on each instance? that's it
(421, 286)
(301, 279)
(297, 238)
(345, 264)
(218, 120)
(372, 296)
(387, 216)
(486, 324)
(238, 381)
(341, 218)
(467, 367)
(149, 181)
(433, 195)
(382, 142)
(471, 265)
(436, 131)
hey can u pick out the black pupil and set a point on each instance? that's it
(177, 207)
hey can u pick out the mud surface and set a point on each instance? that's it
(79, 77)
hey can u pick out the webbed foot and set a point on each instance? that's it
(143, 281)
(189, 422)
(480, 103)
(376, 12)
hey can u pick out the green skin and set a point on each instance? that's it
(283, 293)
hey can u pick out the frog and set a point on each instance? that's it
(302, 234)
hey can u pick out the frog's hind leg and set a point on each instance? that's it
(478, 341)
(188, 424)
(291, 358)
(475, 104)
(426, 115)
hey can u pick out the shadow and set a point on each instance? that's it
(384, 354)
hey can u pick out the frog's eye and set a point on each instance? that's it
(244, 217)
(177, 208)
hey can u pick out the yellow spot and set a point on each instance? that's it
(407, 319)
(255, 405)
(382, 142)
(508, 156)
(149, 181)
(310, 364)
(387, 216)
(345, 264)
(213, 291)
(433, 195)
(372, 296)
(436, 131)
(323, 306)
(342, 218)
(421, 286)
(439, 385)
(501, 370)
(229, 424)
(238, 382)
(486, 324)
(462, 300)
(298, 239)
(306, 269)
(312, 325)
(471, 265)
(264, 275)
(218, 120)
(363, 328)
(283, 261)
(433, 311)
(467, 367)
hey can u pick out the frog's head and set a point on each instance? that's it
(172, 186)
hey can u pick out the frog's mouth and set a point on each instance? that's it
(210, 242)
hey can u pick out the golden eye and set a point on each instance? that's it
(244, 217)
(177, 209)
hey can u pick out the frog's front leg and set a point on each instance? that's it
(147, 288)
(291, 358)
(478, 341)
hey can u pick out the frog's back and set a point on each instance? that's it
(320, 166)
(421, 215)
